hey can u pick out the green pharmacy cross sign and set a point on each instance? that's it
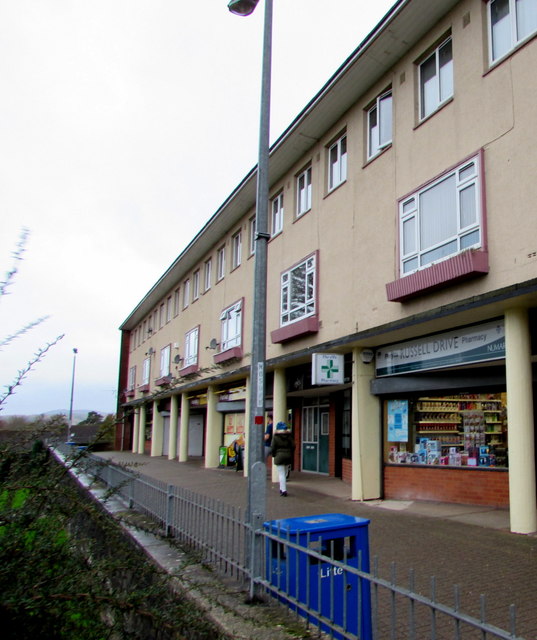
(327, 368)
(330, 368)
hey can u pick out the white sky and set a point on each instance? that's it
(124, 124)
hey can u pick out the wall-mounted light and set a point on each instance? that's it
(214, 344)
(367, 355)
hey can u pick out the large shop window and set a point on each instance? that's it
(464, 430)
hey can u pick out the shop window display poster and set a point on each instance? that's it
(397, 420)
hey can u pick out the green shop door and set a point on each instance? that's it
(315, 439)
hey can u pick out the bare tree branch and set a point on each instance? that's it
(17, 256)
(31, 325)
(21, 375)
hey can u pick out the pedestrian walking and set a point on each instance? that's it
(268, 436)
(282, 450)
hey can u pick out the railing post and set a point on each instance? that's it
(169, 510)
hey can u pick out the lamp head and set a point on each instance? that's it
(242, 7)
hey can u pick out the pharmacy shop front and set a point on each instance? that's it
(445, 416)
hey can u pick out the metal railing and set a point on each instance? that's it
(322, 585)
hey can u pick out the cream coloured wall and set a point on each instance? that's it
(355, 228)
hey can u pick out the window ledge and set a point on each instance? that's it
(188, 371)
(162, 381)
(298, 329)
(235, 353)
(143, 388)
(129, 393)
(468, 264)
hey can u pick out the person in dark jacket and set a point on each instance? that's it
(282, 448)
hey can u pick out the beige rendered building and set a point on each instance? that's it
(402, 276)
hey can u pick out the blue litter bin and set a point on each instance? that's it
(329, 591)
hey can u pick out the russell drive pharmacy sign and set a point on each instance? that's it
(479, 343)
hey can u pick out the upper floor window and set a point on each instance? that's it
(191, 347)
(161, 316)
(165, 353)
(303, 192)
(231, 324)
(131, 382)
(236, 250)
(298, 291)
(510, 22)
(176, 302)
(220, 263)
(379, 124)
(208, 274)
(277, 214)
(251, 234)
(436, 79)
(441, 219)
(196, 285)
(146, 370)
(337, 163)
(168, 309)
(186, 293)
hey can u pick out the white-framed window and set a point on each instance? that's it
(276, 216)
(236, 250)
(176, 302)
(298, 291)
(162, 316)
(379, 124)
(165, 354)
(131, 380)
(510, 23)
(337, 162)
(196, 285)
(251, 235)
(231, 325)
(220, 263)
(441, 219)
(208, 274)
(303, 192)
(191, 347)
(144, 330)
(436, 78)
(168, 309)
(186, 293)
(146, 370)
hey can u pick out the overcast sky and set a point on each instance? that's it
(124, 124)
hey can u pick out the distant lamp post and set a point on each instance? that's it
(70, 423)
(257, 473)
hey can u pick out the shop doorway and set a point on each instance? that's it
(195, 436)
(315, 426)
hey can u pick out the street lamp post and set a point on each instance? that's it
(70, 423)
(257, 478)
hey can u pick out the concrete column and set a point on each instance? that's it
(157, 431)
(213, 436)
(172, 448)
(279, 412)
(135, 430)
(246, 427)
(520, 429)
(141, 436)
(183, 431)
(366, 433)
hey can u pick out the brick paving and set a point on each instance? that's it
(459, 545)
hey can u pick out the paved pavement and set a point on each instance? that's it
(468, 546)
